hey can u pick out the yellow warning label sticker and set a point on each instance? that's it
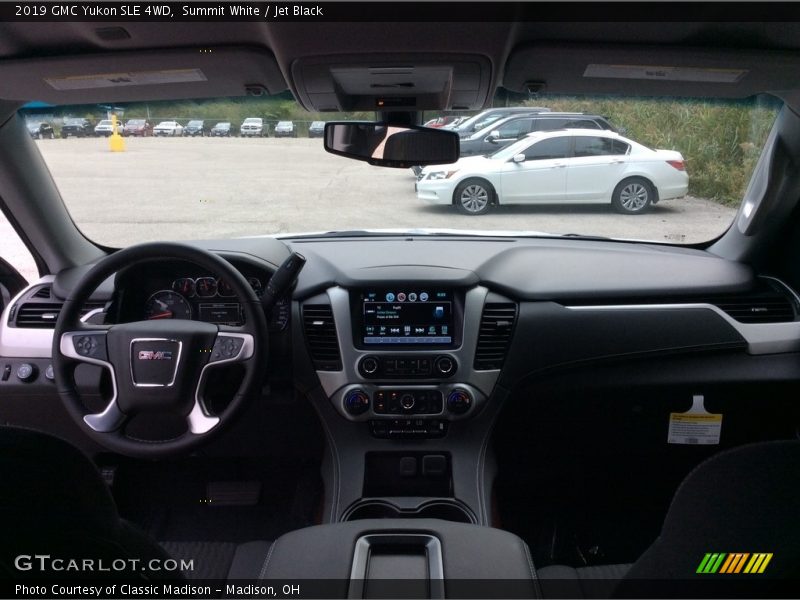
(695, 426)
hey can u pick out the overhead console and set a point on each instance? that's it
(407, 82)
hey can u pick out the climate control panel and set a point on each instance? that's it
(447, 401)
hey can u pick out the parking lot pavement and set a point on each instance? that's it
(194, 188)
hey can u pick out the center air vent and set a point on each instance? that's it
(494, 336)
(320, 331)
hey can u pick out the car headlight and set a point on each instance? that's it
(441, 175)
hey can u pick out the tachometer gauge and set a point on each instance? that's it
(205, 287)
(184, 286)
(167, 304)
(224, 289)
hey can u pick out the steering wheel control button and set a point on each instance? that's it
(356, 402)
(459, 401)
(27, 372)
(154, 361)
(226, 348)
(49, 374)
(6, 373)
(90, 345)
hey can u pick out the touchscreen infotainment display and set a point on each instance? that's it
(413, 315)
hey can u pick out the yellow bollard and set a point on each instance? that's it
(115, 142)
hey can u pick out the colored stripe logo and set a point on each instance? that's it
(734, 562)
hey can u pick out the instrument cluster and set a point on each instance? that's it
(211, 300)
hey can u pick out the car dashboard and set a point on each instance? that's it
(409, 346)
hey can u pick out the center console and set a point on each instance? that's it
(407, 357)
(403, 395)
(426, 558)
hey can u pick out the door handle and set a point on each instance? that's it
(559, 165)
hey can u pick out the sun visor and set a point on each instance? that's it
(405, 83)
(650, 70)
(142, 76)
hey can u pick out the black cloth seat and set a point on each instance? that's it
(53, 501)
(741, 501)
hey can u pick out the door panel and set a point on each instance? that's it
(596, 167)
(541, 178)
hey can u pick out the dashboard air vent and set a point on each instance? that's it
(320, 331)
(41, 315)
(37, 309)
(494, 336)
(767, 306)
(43, 293)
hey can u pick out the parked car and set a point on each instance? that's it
(252, 127)
(455, 123)
(505, 131)
(195, 128)
(41, 130)
(566, 166)
(285, 129)
(137, 128)
(221, 130)
(441, 122)
(487, 117)
(77, 127)
(105, 128)
(168, 128)
(316, 129)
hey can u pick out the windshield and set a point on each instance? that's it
(136, 122)
(687, 189)
(195, 124)
(34, 126)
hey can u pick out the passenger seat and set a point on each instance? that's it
(744, 501)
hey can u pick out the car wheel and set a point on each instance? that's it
(633, 196)
(474, 196)
(52, 135)
(40, 136)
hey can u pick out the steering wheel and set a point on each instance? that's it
(157, 366)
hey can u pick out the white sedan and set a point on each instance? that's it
(171, 128)
(575, 166)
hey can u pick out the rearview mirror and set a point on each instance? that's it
(493, 136)
(385, 145)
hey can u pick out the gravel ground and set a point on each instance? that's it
(189, 188)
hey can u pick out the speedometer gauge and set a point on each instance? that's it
(167, 304)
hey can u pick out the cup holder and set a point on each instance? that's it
(447, 510)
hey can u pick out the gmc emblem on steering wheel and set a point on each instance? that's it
(155, 355)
